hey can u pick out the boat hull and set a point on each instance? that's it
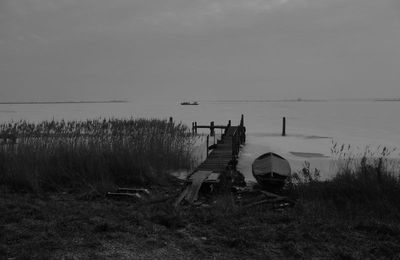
(271, 170)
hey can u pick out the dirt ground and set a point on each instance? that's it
(72, 226)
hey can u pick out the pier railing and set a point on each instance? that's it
(238, 138)
(235, 134)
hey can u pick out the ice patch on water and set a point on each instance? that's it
(309, 155)
(289, 135)
(316, 151)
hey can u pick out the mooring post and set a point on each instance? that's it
(195, 127)
(171, 120)
(233, 147)
(284, 126)
(238, 143)
(208, 137)
(212, 133)
(242, 121)
(227, 126)
(192, 127)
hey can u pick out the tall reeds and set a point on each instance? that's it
(53, 155)
(366, 183)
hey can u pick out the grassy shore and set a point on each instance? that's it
(355, 215)
(67, 226)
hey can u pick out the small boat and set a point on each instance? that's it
(189, 103)
(271, 170)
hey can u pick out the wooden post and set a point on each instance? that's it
(208, 137)
(242, 135)
(233, 147)
(192, 127)
(237, 143)
(284, 126)
(171, 120)
(195, 127)
(229, 123)
(242, 121)
(212, 133)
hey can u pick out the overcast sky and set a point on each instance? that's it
(198, 49)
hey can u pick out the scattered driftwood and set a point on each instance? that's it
(130, 190)
(129, 193)
(245, 197)
(140, 196)
(251, 198)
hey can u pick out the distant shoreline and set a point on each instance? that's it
(62, 102)
(304, 100)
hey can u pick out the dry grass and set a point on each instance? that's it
(366, 186)
(95, 154)
(64, 226)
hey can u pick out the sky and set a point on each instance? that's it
(58, 50)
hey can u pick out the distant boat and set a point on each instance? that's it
(271, 170)
(195, 103)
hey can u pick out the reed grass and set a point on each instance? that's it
(100, 153)
(366, 184)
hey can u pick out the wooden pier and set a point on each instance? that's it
(221, 161)
(224, 154)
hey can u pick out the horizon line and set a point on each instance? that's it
(62, 102)
(302, 100)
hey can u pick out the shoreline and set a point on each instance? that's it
(64, 216)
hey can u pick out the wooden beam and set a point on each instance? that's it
(284, 126)
(208, 126)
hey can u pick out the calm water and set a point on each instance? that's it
(311, 126)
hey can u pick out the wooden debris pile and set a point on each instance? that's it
(249, 197)
(195, 182)
(200, 192)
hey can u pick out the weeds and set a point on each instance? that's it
(363, 186)
(95, 154)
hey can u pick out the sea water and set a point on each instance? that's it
(312, 127)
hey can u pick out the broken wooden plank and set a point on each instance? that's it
(197, 180)
(214, 177)
(181, 197)
(130, 190)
